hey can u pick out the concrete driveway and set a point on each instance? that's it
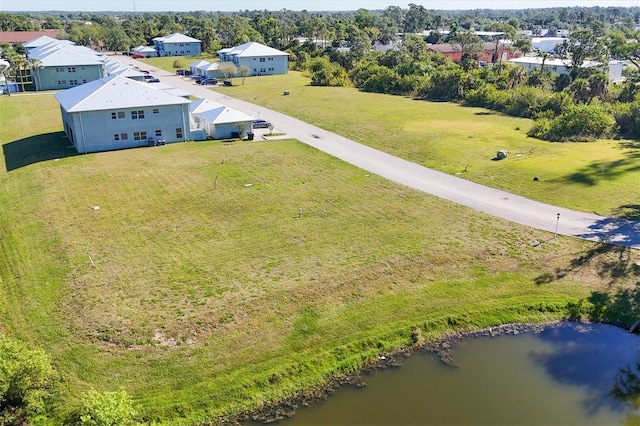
(494, 202)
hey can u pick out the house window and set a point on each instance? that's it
(137, 115)
(59, 69)
(84, 81)
(262, 59)
(116, 137)
(62, 82)
(73, 82)
(119, 114)
(270, 59)
(71, 69)
(158, 132)
(156, 110)
(263, 70)
(124, 136)
(139, 136)
(271, 69)
(179, 132)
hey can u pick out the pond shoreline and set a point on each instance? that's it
(441, 347)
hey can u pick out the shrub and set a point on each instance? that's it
(627, 116)
(26, 382)
(106, 409)
(578, 123)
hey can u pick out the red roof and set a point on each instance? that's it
(24, 36)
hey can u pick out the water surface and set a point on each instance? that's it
(565, 375)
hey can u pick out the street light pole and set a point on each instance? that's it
(557, 222)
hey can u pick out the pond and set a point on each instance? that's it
(566, 374)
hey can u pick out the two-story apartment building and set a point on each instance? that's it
(177, 44)
(117, 112)
(261, 59)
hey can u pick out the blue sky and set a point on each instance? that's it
(311, 5)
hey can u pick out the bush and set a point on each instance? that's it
(106, 409)
(578, 123)
(527, 102)
(627, 116)
(26, 382)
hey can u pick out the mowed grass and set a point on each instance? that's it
(210, 278)
(596, 177)
(166, 62)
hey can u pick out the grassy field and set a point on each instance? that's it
(186, 274)
(596, 177)
(166, 62)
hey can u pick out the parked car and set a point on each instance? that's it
(153, 80)
(208, 80)
(260, 124)
(228, 83)
(138, 56)
(181, 72)
(147, 77)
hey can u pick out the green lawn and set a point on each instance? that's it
(167, 62)
(199, 288)
(596, 177)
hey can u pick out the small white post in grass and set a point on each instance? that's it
(299, 213)
(91, 260)
(557, 222)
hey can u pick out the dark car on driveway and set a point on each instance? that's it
(153, 80)
(260, 124)
(208, 81)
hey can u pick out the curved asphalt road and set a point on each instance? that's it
(492, 201)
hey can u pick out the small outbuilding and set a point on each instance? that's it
(220, 121)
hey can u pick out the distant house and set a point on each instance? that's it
(195, 67)
(546, 44)
(177, 44)
(209, 69)
(489, 53)
(60, 64)
(11, 37)
(116, 112)
(147, 51)
(260, 59)
(218, 120)
(563, 67)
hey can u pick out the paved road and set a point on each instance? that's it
(492, 201)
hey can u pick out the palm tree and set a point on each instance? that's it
(35, 65)
(18, 64)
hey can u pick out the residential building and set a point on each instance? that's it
(60, 64)
(177, 44)
(116, 112)
(12, 37)
(563, 66)
(260, 59)
(546, 44)
(218, 120)
(147, 51)
(489, 54)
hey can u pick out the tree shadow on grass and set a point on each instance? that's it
(590, 174)
(35, 149)
(612, 263)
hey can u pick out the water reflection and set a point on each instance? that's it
(591, 357)
(568, 374)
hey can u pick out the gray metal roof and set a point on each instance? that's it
(115, 92)
(254, 48)
(177, 38)
(217, 113)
